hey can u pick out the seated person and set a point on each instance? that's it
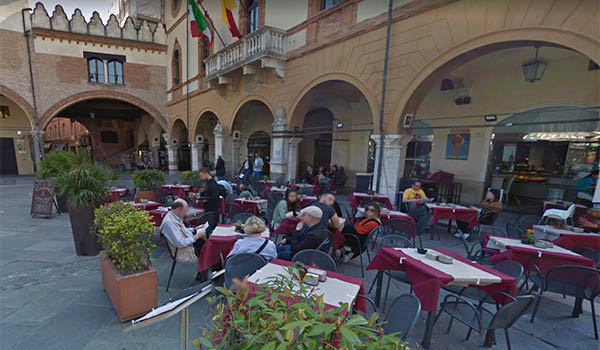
(254, 243)
(227, 186)
(415, 199)
(309, 234)
(187, 241)
(286, 208)
(309, 175)
(586, 186)
(330, 217)
(245, 192)
(489, 209)
(361, 229)
(590, 221)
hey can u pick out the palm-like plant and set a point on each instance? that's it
(84, 184)
(58, 163)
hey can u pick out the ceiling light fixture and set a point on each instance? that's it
(534, 70)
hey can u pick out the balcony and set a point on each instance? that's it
(263, 48)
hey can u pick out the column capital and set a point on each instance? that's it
(280, 122)
(218, 130)
(294, 141)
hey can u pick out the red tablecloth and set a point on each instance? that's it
(116, 194)
(528, 256)
(146, 206)
(304, 201)
(578, 243)
(427, 281)
(221, 202)
(467, 215)
(157, 216)
(213, 248)
(356, 198)
(248, 206)
(360, 303)
(177, 190)
(289, 224)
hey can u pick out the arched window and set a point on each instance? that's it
(115, 72)
(176, 65)
(175, 5)
(96, 70)
(203, 53)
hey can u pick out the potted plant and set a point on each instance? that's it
(125, 234)
(528, 237)
(191, 177)
(285, 314)
(56, 164)
(84, 188)
(145, 181)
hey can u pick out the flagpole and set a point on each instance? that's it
(212, 25)
(187, 70)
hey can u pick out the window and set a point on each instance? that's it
(204, 53)
(115, 72)
(252, 15)
(96, 70)
(175, 67)
(325, 4)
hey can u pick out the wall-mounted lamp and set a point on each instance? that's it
(340, 125)
(19, 132)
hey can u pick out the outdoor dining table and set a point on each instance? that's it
(222, 205)
(337, 289)
(281, 189)
(177, 190)
(571, 240)
(219, 244)
(115, 194)
(254, 206)
(288, 225)
(441, 211)
(150, 205)
(429, 276)
(358, 199)
(527, 254)
(391, 214)
(304, 201)
(159, 214)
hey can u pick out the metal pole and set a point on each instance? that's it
(37, 151)
(184, 328)
(187, 72)
(212, 25)
(383, 87)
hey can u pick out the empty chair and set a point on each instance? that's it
(234, 209)
(402, 315)
(477, 253)
(160, 195)
(513, 230)
(558, 214)
(401, 226)
(371, 306)
(316, 258)
(577, 281)
(241, 217)
(592, 254)
(240, 265)
(526, 221)
(481, 319)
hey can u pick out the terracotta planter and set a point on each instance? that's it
(149, 195)
(84, 234)
(132, 296)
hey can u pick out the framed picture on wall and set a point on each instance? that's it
(457, 146)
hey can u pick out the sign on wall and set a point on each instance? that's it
(457, 144)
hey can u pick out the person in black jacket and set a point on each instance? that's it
(220, 168)
(210, 196)
(308, 234)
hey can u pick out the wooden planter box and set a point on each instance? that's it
(132, 296)
(149, 195)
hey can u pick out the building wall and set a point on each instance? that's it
(10, 127)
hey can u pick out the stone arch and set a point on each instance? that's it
(172, 124)
(229, 127)
(198, 117)
(21, 102)
(461, 53)
(87, 95)
(296, 116)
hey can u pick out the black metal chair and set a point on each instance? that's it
(212, 217)
(526, 221)
(240, 265)
(325, 246)
(173, 256)
(363, 247)
(316, 258)
(306, 191)
(476, 252)
(513, 230)
(402, 227)
(277, 197)
(581, 282)
(402, 315)
(131, 196)
(234, 209)
(481, 319)
(160, 195)
(371, 306)
(241, 217)
(591, 253)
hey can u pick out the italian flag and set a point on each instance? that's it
(200, 26)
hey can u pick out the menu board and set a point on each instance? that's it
(42, 198)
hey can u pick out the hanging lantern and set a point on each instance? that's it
(534, 70)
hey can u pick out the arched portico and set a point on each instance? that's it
(203, 142)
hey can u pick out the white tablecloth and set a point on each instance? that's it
(501, 243)
(334, 291)
(225, 231)
(549, 233)
(462, 273)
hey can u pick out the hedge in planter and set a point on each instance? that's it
(146, 180)
(190, 177)
(284, 314)
(125, 234)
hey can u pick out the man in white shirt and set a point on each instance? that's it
(258, 168)
(179, 236)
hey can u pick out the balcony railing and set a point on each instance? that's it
(266, 42)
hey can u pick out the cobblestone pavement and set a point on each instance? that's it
(52, 299)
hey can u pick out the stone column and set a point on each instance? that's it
(292, 161)
(38, 142)
(279, 147)
(172, 158)
(394, 154)
(218, 131)
(235, 156)
(196, 154)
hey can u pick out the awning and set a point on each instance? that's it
(551, 120)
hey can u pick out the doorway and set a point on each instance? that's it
(260, 143)
(8, 160)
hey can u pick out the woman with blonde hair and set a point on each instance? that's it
(254, 243)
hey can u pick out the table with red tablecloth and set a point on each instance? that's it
(358, 199)
(392, 214)
(304, 201)
(200, 203)
(159, 214)
(577, 242)
(427, 281)
(288, 225)
(453, 212)
(180, 191)
(115, 194)
(544, 258)
(254, 206)
(359, 303)
(150, 205)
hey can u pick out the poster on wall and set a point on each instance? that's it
(509, 152)
(21, 146)
(457, 145)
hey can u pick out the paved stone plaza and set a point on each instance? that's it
(52, 299)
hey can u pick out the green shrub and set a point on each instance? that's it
(58, 163)
(84, 184)
(125, 235)
(285, 314)
(191, 177)
(145, 180)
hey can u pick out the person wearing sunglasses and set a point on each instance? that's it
(361, 230)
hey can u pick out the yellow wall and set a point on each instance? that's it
(8, 128)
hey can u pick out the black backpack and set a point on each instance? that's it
(222, 191)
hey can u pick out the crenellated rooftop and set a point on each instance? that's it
(78, 25)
